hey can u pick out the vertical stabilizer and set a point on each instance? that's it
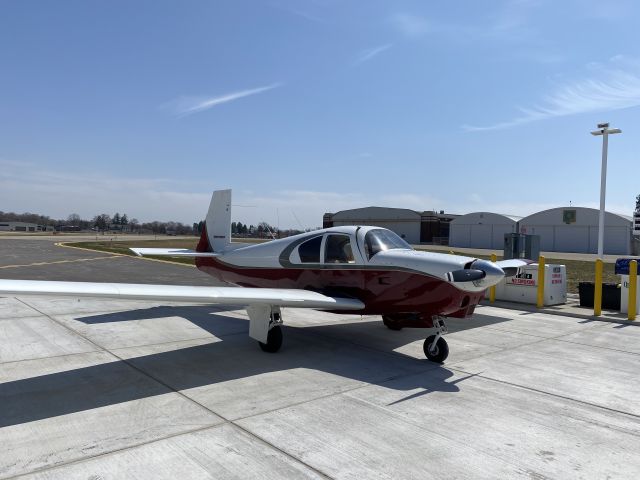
(218, 222)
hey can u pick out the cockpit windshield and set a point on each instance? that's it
(379, 240)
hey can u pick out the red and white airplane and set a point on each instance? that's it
(351, 269)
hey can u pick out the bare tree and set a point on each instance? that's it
(74, 219)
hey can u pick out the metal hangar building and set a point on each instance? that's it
(21, 227)
(414, 227)
(481, 230)
(561, 229)
(575, 229)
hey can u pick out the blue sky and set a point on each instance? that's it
(309, 106)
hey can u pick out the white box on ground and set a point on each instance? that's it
(523, 287)
(624, 295)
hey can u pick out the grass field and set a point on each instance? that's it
(577, 271)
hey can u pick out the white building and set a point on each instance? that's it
(21, 227)
(575, 229)
(481, 230)
(404, 222)
(414, 227)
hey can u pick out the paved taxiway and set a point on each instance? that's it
(105, 389)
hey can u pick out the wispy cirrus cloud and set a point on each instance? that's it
(370, 53)
(188, 105)
(410, 24)
(610, 89)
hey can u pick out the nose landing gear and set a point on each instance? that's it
(435, 347)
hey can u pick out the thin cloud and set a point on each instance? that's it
(410, 24)
(292, 8)
(613, 90)
(184, 106)
(370, 53)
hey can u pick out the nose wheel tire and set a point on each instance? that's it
(274, 340)
(439, 352)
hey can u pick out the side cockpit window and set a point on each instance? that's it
(309, 251)
(338, 249)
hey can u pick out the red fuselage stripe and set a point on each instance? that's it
(383, 291)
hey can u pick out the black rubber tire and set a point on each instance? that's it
(390, 323)
(274, 340)
(441, 351)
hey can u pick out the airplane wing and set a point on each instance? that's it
(171, 252)
(282, 297)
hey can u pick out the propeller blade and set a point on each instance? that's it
(466, 275)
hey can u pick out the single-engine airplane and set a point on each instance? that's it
(350, 269)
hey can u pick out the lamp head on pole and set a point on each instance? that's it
(604, 128)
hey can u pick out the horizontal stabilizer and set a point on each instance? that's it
(178, 293)
(171, 252)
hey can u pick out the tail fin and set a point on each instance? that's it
(217, 229)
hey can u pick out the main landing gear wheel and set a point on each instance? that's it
(390, 323)
(274, 340)
(436, 353)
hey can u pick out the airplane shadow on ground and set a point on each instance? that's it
(360, 350)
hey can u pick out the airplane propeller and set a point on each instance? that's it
(466, 275)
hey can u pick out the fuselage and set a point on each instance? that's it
(368, 263)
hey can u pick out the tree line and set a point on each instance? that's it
(102, 222)
(262, 230)
(121, 222)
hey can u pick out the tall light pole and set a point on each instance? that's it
(605, 131)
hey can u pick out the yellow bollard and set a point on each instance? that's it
(597, 293)
(540, 302)
(492, 290)
(633, 289)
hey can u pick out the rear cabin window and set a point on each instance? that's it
(309, 251)
(338, 249)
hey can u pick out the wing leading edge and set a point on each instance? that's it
(297, 298)
(171, 252)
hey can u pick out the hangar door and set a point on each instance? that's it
(460, 235)
(546, 233)
(572, 238)
(481, 236)
(616, 240)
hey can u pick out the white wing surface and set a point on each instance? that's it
(297, 298)
(511, 266)
(513, 262)
(171, 252)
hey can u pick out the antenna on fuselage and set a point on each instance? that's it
(298, 220)
(273, 236)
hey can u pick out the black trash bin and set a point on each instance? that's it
(586, 290)
(610, 295)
